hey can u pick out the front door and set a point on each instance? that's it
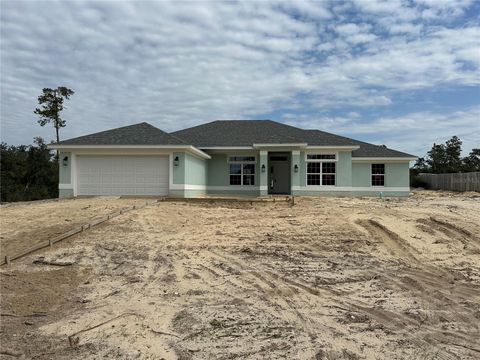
(279, 173)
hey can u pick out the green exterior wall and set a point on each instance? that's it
(218, 175)
(217, 170)
(361, 173)
(194, 177)
(65, 176)
(296, 176)
(344, 169)
(302, 169)
(178, 170)
(195, 170)
(397, 174)
(190, 170)
(348, 175)
(263, 176)
(65, 172)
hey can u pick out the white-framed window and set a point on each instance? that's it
(242, 170)
(321, 169)
(378, 175)
(321, 157)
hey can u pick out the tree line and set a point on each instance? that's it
(30, 172)
(443, 159)
(446, 158)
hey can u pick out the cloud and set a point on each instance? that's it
(176, 64)
(412, 132)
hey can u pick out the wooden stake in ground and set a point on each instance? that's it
(74, 339)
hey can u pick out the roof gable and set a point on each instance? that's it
(137, 134)
(248, 132)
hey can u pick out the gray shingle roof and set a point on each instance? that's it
(367, 149)
(229, 133)
(240, 133)
(137, 134)
(248, 132)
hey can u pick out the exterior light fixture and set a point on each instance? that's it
(263, 168)
(176, 161)
(65, 161)
(295, 168)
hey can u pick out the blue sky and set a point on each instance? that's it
(401, 73)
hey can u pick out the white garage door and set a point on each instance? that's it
(122, 175)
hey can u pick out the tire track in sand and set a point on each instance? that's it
(393, 242)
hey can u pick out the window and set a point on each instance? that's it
(241, 159)
(321, 157)
(378, 174)
(242, 170)
(328, 173)
(321, 169)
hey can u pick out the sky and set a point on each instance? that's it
(405, 73)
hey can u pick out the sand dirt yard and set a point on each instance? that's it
(22, 225)
(329, 278)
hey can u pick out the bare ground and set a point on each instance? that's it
(25, 224)
(330, 278)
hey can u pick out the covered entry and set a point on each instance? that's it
(279, 181)
(122, 175)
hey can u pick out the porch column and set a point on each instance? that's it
(295, 174)
(263, 174)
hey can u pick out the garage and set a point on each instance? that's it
(122, 175)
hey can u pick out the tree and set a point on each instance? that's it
(472, 161)
(446, 158)
(27, 172)
(453, 152)
(436, 159)
(52, 105)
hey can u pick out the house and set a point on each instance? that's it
(233, 157)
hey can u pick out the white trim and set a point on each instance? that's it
(302, 145)
(199, 152)
(174, 148)
(65, 187)
(73, 173)
(222, 188)
(340, 147)
(187, 187)
(321, 153)
(318, 188)
(295, 152)
(235, 187)
(170, 171)
(263, 153)
(226, 147)
(241, 161)
(348, 188)
(387, 159)
(320, 161)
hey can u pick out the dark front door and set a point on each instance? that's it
(279, 173)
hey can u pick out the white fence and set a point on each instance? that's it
(454, 182)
